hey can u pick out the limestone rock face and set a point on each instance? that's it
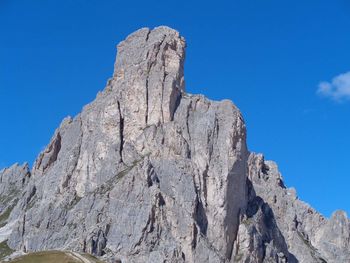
(12, 182)
(149, 173)
(308, 235)
(333, 238)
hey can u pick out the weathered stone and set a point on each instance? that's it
(309, 236)
(13, 180)
(149, 173)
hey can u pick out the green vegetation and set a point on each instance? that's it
(55, 257)
(92, 258)
(313, 250)
(11, 194)
(106, 187)
(238, 258)
(4, 216)
(306, 242)
(73, 203)
(31, 204)
(247, 221)
(5, 250)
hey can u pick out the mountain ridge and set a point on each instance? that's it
(149, 173)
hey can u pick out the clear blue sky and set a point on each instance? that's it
(268, 56)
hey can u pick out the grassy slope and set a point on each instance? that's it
(53, 257)
(5, 250)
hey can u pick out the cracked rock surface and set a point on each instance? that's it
(149, 173)
(12, 182)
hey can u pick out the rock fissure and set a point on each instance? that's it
(121, 132)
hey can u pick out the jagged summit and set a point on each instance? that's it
(149, 73)
(147, 173)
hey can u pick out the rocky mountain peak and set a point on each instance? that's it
(149, 75)
(148, 173)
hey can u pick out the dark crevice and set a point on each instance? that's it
(195, 236)
(149, 227)
(205, 179)
(24, 225)
(165, 74)
(98, 243)
(31, 195)
(201, 218)
(161, 201)
(121, 132)
(265, 169)
(147, 37)
(147, 95)
(162, 98)
(152, 177)
(147, 80)
(173, 106)
(260, 212)
(189, 108)
(23, 181)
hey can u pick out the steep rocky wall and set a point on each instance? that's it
(149, 173)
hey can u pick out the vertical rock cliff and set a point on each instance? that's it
(149, 173)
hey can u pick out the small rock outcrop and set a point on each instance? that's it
(149, 173)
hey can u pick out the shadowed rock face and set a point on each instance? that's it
(149, 173)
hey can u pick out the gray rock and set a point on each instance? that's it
(149, 173)
(309, 236)
(12, 182)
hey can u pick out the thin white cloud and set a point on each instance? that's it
(338, 89)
